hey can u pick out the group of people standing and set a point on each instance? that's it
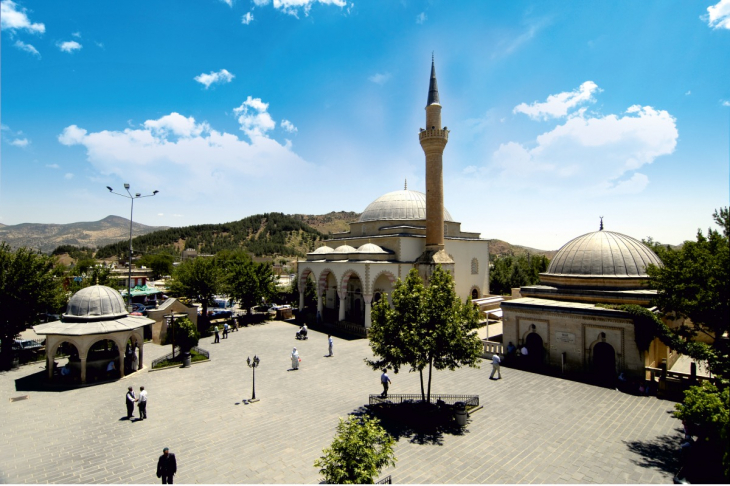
(141, 402)
(226, 329)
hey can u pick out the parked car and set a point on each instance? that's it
(139, 308)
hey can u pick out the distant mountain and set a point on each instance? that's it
(46, 237)
(263, 235)
(502, 248)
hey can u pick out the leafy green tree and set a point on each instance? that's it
(247, 282)
(428, 327)
(510, 272)
(198, 279)
(27, 288)
(359, 451)
(160, 264)
(185, 334)
(694, 284)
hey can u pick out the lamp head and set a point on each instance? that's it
(137, 195)
(126, 186)
(154, 192)
(110, 189)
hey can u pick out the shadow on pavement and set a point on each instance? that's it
(419, 423)
(39, 382)
(661, 453)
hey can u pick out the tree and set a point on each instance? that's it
(160, 264)
(185, 334)
(27, 288)
(694, 284)
(359, 451)
(246, 281)
(198, 279)
(510, 272)
(427, 327)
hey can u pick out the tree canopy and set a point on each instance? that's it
(246, 281)
(359, 451)
(27, 288)
(510, 272)
(426, 327)
(198, 279)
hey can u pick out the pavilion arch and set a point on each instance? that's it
(323, 283)
(383, 283)
(346, 279)
(303, 278)
(475, 292)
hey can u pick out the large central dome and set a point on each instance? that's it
(404, 205)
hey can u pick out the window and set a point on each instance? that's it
(474, 266)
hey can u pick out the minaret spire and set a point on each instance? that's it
(433, 88)
(601, 228)
(405, 188)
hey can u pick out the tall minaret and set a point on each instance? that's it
(433, 141)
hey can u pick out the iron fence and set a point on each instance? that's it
(177, 355)
(385, 480)
(469, 400)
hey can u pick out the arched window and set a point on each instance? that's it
(474, 266)
(474, 294)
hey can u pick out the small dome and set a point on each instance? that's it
(345, 249)
(370, 248)
(322, 250)
(603, 254)
(96, 303)
(405, 204)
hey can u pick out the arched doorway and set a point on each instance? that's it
(102, 360)
(535, 349)
(66, 362)
(604, 362)
(474, 294)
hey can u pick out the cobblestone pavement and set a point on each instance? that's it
(532, 428)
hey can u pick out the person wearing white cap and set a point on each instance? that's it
(295, 359)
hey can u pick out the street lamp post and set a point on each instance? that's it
(253, 365)
(131, 213)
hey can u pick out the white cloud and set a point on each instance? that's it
(508, 45)
(421, 18)
(76, 34)
(20, 142)
(718, 15)
(247, 19)
(69, 46)
(288, 126)
(293, 7)
(14, 18)
(53, 166)
(68, 176)
(190, 158)
(160, 214)
(689, 92)
(586, 154)
(253, 117)
(220, 77)
(379, 78)
(228, 2)
(558, 105)
(725, 103)
(27, 48)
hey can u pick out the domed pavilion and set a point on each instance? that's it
(560, 322)
(398, 231)
(98, 328)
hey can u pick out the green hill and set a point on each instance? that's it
(262, 234)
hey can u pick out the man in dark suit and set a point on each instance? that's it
(166, 466)
(130, 399)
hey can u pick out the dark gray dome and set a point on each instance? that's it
(603, 254)
(95, 303)
(405, 204)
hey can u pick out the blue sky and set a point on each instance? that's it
(559, 111)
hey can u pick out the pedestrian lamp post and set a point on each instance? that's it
(171, 327)
(131, 212)
(253, 365)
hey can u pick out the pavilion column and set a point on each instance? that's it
(343, 295)
(141, 355)
(320, 303)
(49, 363)
(301, 300)
(121, 362)
(368, 307)
(82, 359)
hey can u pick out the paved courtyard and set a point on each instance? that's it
(532, 428)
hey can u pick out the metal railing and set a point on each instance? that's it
(177, 355)
(469, 400)
(655, 374)
(346, 327)
(385, 480)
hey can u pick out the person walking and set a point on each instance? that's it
(495, 367)
(130, 399)
(217, 336)
(142, 403)
(295, 359)
(385, 381)
(166, 466)
(225, 330)
(331, 344)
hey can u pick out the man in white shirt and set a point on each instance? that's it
(523, 351)
(142, 403)
(495, 367)
(385, 381)
(331, 344)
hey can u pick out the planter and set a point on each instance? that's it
(186, 359)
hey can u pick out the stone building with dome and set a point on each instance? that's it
(561, 325)
(398, 231)
(96, 328)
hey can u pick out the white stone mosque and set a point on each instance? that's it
(398, 231)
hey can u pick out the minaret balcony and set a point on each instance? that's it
(434, 133)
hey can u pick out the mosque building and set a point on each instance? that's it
(561, 322)
(398, 231)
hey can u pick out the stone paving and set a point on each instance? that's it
(532, 428)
